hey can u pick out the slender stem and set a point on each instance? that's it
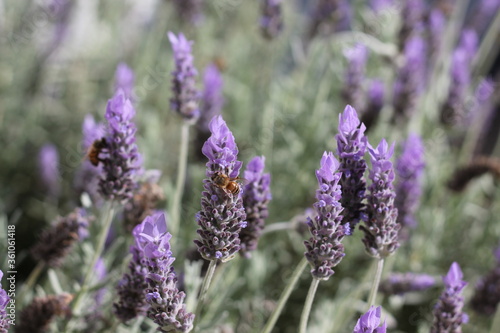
(376, 282)
(101, 240)
(307, 305)
(278, 226)
(284, 296)
(496, 321)
(30, 282)
(204, 288)
(181, 179)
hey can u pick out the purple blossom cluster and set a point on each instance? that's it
(352, 91)
(185, 97)
(381, 228)
(4, 301)
(401, 283)
(120, 157)
(222, 214)
(351, 148)
(409, 171)
(370, 322)
(256, 196)
(212, 98)
(124, 80)
(448, 314)
(412, 14)
(324, 249)
(271, 21)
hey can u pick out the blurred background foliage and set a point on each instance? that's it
(282, 101)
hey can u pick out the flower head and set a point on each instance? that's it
(124, 80)
(351, 148)
(409, 170)
(355, 75)
(185, 95)
(324, 249)
(4, 300)
(256, 196)
(400, 283)
(120, 157)
(271, 21)
(381, 228)
(412, 13)
(448, 315)
(370, 322)
(222, 214)
(38, 315)
(212, 99)
(48, 166)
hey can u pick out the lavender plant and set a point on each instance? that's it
(370, 322)
(487, 291)
(352, 91)
(401, 283)
(124, 80)
(271, 21)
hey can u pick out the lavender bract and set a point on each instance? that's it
(271, 21)
(409, 171)
(166, 302)
(400, 283)
(351, 148)
(324, 248)
(120, 158)
(222, 214)
(256, 196)
(48, 166)
(381, 228)
(448, 314)
(4, 301)
(352, 91)
(124, 80)
(185, 95)
(370, 322)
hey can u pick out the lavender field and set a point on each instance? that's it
(250, 166)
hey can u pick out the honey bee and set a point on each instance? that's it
(94, 151)
(228, 184)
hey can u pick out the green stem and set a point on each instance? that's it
(181, 179)
(30, 282)
(101, 240)
(278, 226)
(204, 288)
(284, 296)
(376, 282)
(307, 305)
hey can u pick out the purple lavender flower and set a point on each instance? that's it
(408, 85)
(448, 315)
(57, 241)
(186, 96)
(4, 300)
(37, 316)
(124, 80)
(351, 148)
(453, 107)
(190, 10)
(256, 196)
(375, 104)
(400, 283)
(485, 11)
(271, 21)
(212, 99)
(412, 13)
(222, 214)
(487, 292)
(469, 42)
(381, 228)
(370, 322)
(87, 177)
(329, 16)
(120, 157)
(166, 302)
(48, 165)
(324, 248)
(352, 91)
(409, 170)
(436, 26)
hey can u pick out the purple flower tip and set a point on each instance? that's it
(349, 121)
(329, 166)
(179, 43)
(382, 152)
(370, 321)
(124, 79)
(454, 278)
(151, 236)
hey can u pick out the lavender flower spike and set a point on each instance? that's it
(448, 315)
(212, 99)
(271, 21)
(4, 300)
(256, 196)
(355, 74)
(222, 214)
(120, 157)
(48, 164)
(186, 96)
(487, 292)
(166, 302)
(351, 148)
(381, 228)
(324, 248)
(400, 283)
(370, 321)
(124, 79)
(409, 172)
